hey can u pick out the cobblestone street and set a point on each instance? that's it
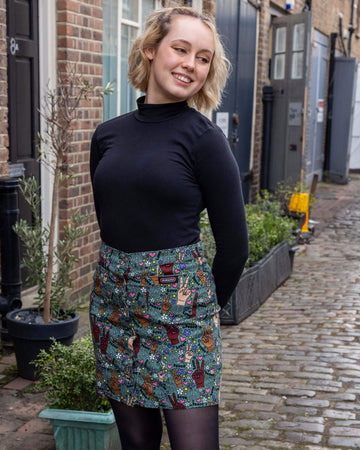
(292, 369)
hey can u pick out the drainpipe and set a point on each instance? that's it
(351, 26)
(267, 98)
(10, 297)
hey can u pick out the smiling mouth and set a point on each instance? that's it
(182, 78)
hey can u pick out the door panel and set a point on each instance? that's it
(23, 92)
(289, 78)
(22, 37)
(237, 22)
(316, 107)
(355, 137)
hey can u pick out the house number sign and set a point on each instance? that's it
(14, 46)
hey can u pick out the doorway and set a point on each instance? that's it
(23, 92)
(236, 21)
(315, 156)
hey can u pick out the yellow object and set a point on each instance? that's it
(300, 203)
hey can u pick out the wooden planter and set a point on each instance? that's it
(257, 283)
(83, 430)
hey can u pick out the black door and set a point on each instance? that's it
(23, 89)
(237, 22)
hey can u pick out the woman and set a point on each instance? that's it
(154, 306)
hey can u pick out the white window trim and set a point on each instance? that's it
(47, 80)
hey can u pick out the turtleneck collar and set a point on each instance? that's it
(159, 112)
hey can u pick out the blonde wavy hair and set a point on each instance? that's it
(156, 28)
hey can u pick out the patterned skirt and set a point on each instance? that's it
(155, 327)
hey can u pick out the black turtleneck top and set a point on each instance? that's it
(154, 170)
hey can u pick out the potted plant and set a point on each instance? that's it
(49, 261)
(81, 419)
(270, 261)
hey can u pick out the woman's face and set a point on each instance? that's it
(181, 62)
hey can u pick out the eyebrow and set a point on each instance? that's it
(184, 41)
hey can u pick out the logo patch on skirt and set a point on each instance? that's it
(168, 280)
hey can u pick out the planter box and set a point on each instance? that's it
(83, 430)
(257, 283)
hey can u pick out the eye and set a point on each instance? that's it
(204, 60)
(179, 49)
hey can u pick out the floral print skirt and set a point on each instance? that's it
(155, 326)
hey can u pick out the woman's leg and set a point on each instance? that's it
(139, 428)
(193, 428)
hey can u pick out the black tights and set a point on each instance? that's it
(188, 429)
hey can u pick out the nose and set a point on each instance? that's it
(189, 62)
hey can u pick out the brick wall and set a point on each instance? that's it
(4, 139)
(79, 31)
(325, 18)
(262, 80)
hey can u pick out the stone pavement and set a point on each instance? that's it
(291, 370)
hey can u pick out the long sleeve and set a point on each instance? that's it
(220, 183)
(95, 157)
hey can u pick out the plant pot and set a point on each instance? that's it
(30, 338)
(83, 430)
(257, 283)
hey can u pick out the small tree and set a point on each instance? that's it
(50, 264)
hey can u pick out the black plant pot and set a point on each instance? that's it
(30, 338)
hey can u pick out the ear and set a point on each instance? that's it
(149, 53)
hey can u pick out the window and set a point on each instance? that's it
(280, 50)
(122, 22)
(297, 58)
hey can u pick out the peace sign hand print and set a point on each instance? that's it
(183, 292)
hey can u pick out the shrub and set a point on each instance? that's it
(267, 227)
(265, 231)
(68, 374)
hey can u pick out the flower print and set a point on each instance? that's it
(180, 371)
(187, 332)
(147, 263)
(106, 365)
(143, 289)
(180, 391)
(164, 317)
(163, 289)
(99, 383)
(152, 357)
